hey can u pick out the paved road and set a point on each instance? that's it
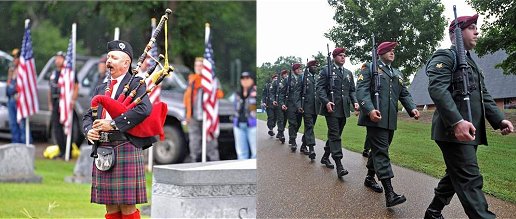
(290, 186)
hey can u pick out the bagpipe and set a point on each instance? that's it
(153, 124)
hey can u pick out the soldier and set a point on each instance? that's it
(310, 108)
(292, 95)
(457, 138)
(381, 121)
(279, 97)
(336, 111)
(122, 186)
(267, 102)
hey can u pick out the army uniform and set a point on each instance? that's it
(344, 94)
(380, 134)
(311, 107)
(281, 114)
(292, 95)
(462, 175)
(269, 107)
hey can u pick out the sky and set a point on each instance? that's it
(297, 27)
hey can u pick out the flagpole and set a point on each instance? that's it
(151, 158)
(70, 132)
(27, 123)
(117, 33)
(204, 130)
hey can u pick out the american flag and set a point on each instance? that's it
(27, 103)
(209, 86)
(156, 92)
(66, 82)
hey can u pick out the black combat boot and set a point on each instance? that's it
(326, 160)
(371, 183)
(391, 198)
(303, 149)
(311, 152)
(271, 133)
(434, 210)
(340, 169)
(366, 153)
(293, 145)
(281, 137)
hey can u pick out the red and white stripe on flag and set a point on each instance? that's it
(66, 82)
(155, 93)
(27, 103)
(209, 87)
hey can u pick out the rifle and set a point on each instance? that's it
(330, 73)
(376, 76)
(303, 86)
(463, 69)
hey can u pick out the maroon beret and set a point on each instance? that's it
(464, 21)
(284, 72)
(312, 63)
(296, 66)
(337, 51)
(385, 47)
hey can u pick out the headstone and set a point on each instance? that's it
(221, 189)
(17, 163)
(83, 165)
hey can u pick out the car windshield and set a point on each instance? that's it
(5, 61)
(176, 82)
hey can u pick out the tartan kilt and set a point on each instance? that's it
(124, 183)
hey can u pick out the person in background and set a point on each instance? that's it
(101, 76)
(193, 105)
(17, 128)
(244, 121)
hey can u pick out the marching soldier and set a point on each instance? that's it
(310, 107)
(381, 121)
(281, 113)
(336, 111)
(457, 138)
(267, 102)
(291, 96)
(122, 185)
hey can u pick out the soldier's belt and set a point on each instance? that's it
(106, 137)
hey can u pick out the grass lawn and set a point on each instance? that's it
(413, 148)
(68, 199)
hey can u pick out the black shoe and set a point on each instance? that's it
(365, 153)
(326, 161)
(372, 184)
(433, 214)
(391, 198)
(282, 139)
(271, 133)
(293, 146)
(340, 169)
(311, 152)
(304, 150)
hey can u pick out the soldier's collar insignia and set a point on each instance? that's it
(122, 46)
(440, 65)
(360, 77)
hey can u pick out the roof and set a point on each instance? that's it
(498, 84)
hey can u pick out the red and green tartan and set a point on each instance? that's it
(124, 183)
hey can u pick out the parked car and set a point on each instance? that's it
(5, 61)
(175, 146)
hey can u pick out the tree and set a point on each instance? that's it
(500, 33)
(417, 26)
